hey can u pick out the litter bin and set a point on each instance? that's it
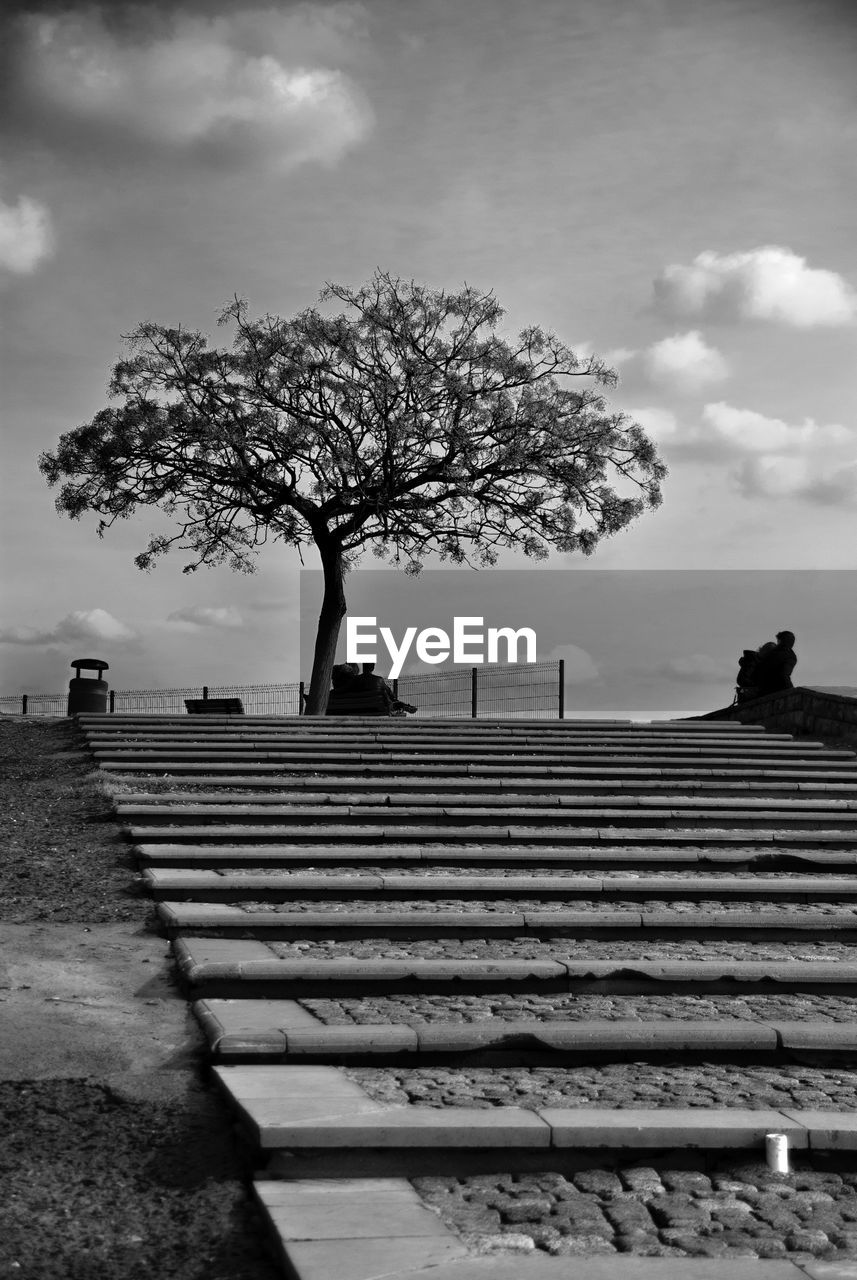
(84, 692)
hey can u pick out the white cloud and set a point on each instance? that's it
(26, 235)
(200, 615)
(660, 424)
(797, 477)
(698, 667)
(617, 356)
(685, 362)
(772, 458)
(613, 357)
(747, 429)
(207, 83)
(81, 625)
(580, 667)
(769, 283)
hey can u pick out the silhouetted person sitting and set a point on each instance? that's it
(343, 676)
(362, 694)
(368, 682)
(774, 668)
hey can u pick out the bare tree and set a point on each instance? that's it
(405, 422)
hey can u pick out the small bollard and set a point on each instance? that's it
(777, 1152)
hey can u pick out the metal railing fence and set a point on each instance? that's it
(531, 690)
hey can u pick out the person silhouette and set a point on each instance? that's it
(774, 668)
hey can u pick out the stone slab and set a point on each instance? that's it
(373, 1259)
(825, 1036)
(236, 1016)
(244, 1027)
(248, 959)
(245, 1083)
(214, 915)
(280, 1123)
(538, 1266)
(346, 1040)
(828, 1130)
(361, 1208)
(201, 884)
(204, 959)
(692, 1127)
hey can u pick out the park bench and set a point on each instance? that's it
(214, 706)
(369, 703)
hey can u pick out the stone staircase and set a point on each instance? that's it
(352, 899)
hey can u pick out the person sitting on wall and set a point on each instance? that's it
(342, 676)
(368, 682)
(745, 682)
(773, 671)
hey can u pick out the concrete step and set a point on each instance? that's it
(249, 1030)
(277, 789)
(372, 729)
(466, 753)
(349, 726)
(317, 1107)
(606, 857)
(228, 968)
(143, 803)
(524, 746)
(224, 920)
(564, 820)
(472, 834)
(307, 775)
(214, 886)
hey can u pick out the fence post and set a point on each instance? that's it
(205, 693)
(112, 701)
(473, 695)
(396, 688)
(562, 688)
(300, 697)
(23, 704)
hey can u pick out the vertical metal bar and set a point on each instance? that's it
(205, 693)
(112, 701)
(473, 692)
(23, 704)
(561, 688)
(396, 687)
(300, 698)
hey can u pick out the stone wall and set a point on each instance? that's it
(827, 713)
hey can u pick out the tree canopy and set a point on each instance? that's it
(404, 422)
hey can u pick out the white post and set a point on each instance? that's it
(777, 1152)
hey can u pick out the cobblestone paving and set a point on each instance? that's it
(614, 1084)
(427, 872)
(593, 906)
(729, 1211)
(562, 949)
(580, 1008)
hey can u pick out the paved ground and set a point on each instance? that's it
(116, 1162)
(568, 1007)
(732, 1210)
(615, 1084)
(124, 1160)
(563, 948)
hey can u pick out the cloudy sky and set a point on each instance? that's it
(668, 183)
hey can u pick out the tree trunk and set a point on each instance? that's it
(333, 610)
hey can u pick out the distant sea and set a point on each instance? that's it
(645, 715)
